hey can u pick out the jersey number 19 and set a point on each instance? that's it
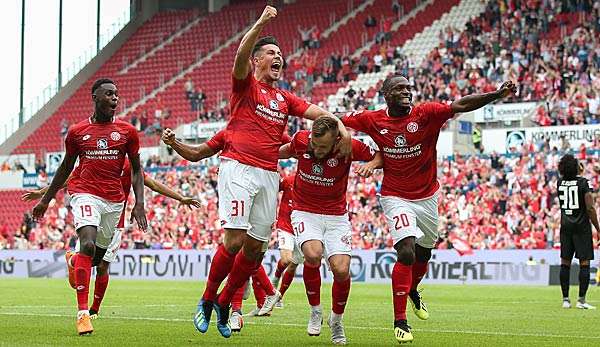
(569, 197)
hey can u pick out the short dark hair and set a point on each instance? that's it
(323, 125)
(100, 82)
(387, 83)
(568, 167)
(263, 41)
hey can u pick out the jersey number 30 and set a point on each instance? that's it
(569, 197)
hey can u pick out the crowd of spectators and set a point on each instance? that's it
(491, 202)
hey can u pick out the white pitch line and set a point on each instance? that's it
(440, 331)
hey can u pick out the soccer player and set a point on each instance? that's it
(102, 274)
(101, 144)
(248, 179)
(320, 218)
(407, 137)
(290, 252)
(577, 214)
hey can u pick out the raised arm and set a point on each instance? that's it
(242, 66)
(60, 177)
(285, 151)
(188, 152)
(472, 102)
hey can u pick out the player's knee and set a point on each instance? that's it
(314, 259)
(292, 267)
(422, 254)
(340, 273)
(406, 255)
(87, 247)
(102, 268)
(286, 259)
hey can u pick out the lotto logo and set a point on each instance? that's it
(279, 97)
(115, 136)
(347, 239)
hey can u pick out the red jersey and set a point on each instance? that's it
(217, 142)
(320, 185)
(101, 149)
(408, 147)
(259, 114)
(284, 215)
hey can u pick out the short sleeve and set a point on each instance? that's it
(285, 138)
(296, 105)
(361, 151)
(356, 120)
(133, 143)
(70, 146)
(217, 142)
(586, 186)
(438, 111)
(298, 144)
(239, 86)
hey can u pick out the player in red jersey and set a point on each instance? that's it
(407, 137)
(101, 144)
(320, 219)
(290, 252)
(102, 274)
(248, 179)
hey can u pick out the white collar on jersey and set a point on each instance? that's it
(388, 114)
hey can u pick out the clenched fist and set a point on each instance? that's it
(168, 136)
(269, 13)
(507, 88)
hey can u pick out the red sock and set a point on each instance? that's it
(236, 301)
(401, 281)
(263, 279)
(242, 269)
(339, 295)
(418, 272)
(280, 268)
(259, 291)
(287, 279)
(83, 271)
(312, 283)
(99, 290)
(219, 269)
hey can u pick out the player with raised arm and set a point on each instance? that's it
(407, 137)
(320, 218)
(248, 179)
(102, 273)
(577, 214)
(101, 143)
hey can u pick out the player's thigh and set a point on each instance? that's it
(584, 244)
(338, 236)
(401, 218)
(428, 221)
(567, 244)
(235, 195)
(86, 210)
(111, 214)
(264, 207)
(308, 227)
(111, 252)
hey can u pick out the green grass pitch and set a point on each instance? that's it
(41, 312)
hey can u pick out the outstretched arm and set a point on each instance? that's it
(63, 172)
(188, 152)
(472, 102)
(168, 192)
(37, 194)
(367, 169)
(344, 146)
(241, 66)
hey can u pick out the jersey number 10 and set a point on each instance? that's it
(569, 196)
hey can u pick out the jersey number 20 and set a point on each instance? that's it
(569, 196)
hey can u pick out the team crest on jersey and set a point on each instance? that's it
(400, 141)
(102, 144)
(86, 137)
(279, 97)
(317, 169)
(412, 127)
(273, 105)
(115, 136)
(333, 162)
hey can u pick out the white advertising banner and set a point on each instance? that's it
(446, 266)
(501, 140)
(504, 112)
(202, 130)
